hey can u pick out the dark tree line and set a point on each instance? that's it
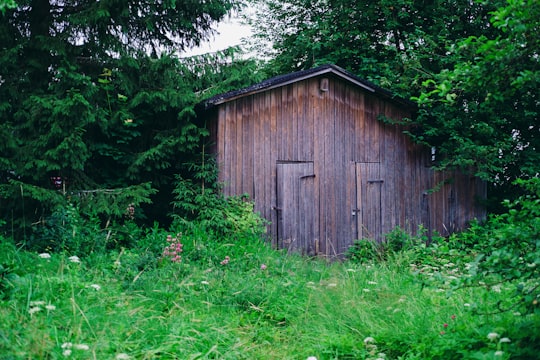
(98, 109)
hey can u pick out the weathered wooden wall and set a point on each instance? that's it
(349, 174)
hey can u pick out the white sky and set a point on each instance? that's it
(230, 32)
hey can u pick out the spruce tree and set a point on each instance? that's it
(96, 107)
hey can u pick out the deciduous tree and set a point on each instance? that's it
(482, 114)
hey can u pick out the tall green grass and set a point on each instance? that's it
(260, 304)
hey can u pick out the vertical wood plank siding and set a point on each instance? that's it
(337, 130)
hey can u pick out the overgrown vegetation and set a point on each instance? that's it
(102, 150)
(195, 292)
(504, 251)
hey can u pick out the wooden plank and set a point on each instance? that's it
(282, 123)
(315, 109)
(306, 122)
(295, 134)
(256, 119)
(247, 150)
(266, 198)
(351, 226)
(329, 128)
(220, 142)
(230, 147)
(271, 158)
(237, 164)
(361, 127)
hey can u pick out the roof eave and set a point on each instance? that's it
(303, 75)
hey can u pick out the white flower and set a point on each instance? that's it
(204, 282)
(66, 352)
(45, 256)
(496, 288)
(37, 303)
(50, 307)
(372, 282)
(34, 309)
(366, 290)
(95, 287)
(66, 345)
(499, 353)
(311, 358)
(492, 336)
(74, 259)
(122, 356)
(81, 347)
(369, 340)
(505, 340)
(467, 305)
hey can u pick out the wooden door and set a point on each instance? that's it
(368, 212)
(296, 208)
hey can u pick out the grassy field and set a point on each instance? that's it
(240, 299)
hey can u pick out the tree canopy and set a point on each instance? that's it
(97, 107)
(472, 67)
(393, 43)
(483, 112)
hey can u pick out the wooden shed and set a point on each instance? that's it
(311, 150)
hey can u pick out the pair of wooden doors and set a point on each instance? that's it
(298, 206)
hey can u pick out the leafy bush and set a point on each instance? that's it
(395, 242)
(69, 230)
(199, 200)
(365, 250)
(508, 248)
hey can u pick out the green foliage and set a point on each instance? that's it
(508, 248)
(472, 66)
(69, 229)
(240, 309)
(395, 242)
(482, 114)
(201, 202)
(365, 250)
(107, 120)
(7, 4)
(393, 43)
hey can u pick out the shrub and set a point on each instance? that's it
(508, 248)
(221, 216)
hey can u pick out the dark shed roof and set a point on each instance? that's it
(286, 79)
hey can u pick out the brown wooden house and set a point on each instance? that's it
(312, 152)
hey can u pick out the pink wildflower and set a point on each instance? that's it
(173, 249)
(225, 261)
(453, 317)
(445, 325)
(263, 267)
